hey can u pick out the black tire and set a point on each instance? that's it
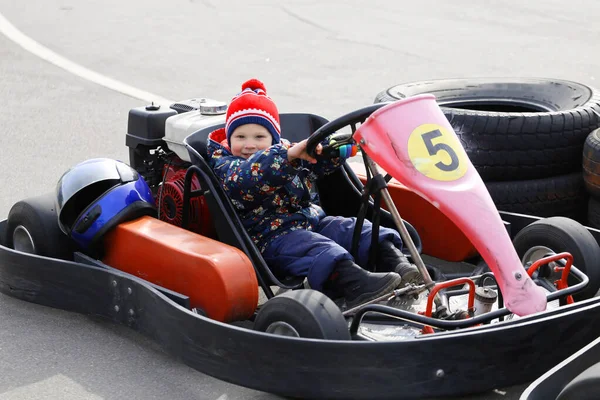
(36, 219)
(591, 163)
(562, 234)
(563, 195)
(309, 312)
(514, 128)
(593, 214)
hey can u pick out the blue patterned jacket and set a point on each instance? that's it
(272, 195)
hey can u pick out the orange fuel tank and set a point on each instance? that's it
(441, 238)
(217, 278)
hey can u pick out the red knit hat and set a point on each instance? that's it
(253, 106)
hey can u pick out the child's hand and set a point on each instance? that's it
(298, 150)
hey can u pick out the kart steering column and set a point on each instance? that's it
(406, 239)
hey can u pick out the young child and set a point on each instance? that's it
(269, 180)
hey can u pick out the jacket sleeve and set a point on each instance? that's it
(249, 181)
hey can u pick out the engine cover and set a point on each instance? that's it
(178, 127)
(169, 201)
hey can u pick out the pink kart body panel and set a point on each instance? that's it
(412, 140)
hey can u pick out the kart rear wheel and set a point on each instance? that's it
(559, 234)
(32, 227)
(302, 313)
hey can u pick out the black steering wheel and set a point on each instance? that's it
(350, 119)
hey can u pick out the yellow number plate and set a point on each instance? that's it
(436, 153)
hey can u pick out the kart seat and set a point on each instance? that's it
(294, 127)
(339, 194)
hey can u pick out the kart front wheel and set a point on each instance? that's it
(302, 313)
(559, 234)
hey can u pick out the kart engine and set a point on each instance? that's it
(155, 136)
(169, 201)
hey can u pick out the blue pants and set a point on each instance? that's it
(314, 254)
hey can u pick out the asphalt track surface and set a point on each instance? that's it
(327, 57)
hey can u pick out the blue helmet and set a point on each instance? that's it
(96, 195)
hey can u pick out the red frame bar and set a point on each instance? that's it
(562, 283)
(442, 285)
(447, 284)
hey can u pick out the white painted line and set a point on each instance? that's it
(12, 33)
(58, 386)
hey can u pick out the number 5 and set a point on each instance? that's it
(433, 149)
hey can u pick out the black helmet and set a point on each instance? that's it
(96, 195)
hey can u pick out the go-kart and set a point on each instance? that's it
(575, 378)
(190, 277)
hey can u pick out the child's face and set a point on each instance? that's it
(248, 139)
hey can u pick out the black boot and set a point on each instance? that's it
(392, 259)
(358, 285)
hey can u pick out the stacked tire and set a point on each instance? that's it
(591, 176)
(525, 137)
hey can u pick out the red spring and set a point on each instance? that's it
(562, 283)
